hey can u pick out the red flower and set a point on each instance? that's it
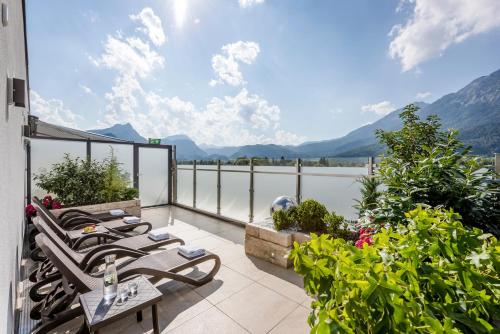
(30, 210)
(56, 204)
(364, 239)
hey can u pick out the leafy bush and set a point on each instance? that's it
(337, 226)
(429, 276)
(425, 166)
(310, 214)
(369, 194)
(81, 182)
(284, 219)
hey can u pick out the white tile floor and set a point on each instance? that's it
(247, 295)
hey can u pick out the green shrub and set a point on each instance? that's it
(82, 182)
(284, 219)
(432, 275)
(337, 226)
(369, 194)
(425, 166)
(309, 214)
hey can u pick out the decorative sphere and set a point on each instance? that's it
(282, 203)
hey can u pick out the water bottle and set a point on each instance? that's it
(110, 278)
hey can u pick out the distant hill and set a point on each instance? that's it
(186, 149)
(473, 110)
(269, 151)
(224, 151)
(123, 131)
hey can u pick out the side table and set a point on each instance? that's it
(99, 313)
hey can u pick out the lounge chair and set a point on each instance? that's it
(86, 259)
(116, 227)
(59, 306)
(82, 221)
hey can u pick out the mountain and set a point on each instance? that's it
(185, 148)
(122, 131)
(269, 151)
(221, 151)
(473, 110)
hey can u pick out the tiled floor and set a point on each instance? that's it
(247, 295)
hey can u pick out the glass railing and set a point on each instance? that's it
(245, 193)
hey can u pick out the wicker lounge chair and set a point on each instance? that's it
(61, 304)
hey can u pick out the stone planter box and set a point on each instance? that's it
(264, 242)
(132, 207)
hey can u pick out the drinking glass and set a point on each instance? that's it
(132, 286)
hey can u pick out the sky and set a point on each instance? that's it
(237, 72)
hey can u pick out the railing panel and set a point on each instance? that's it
(270, 186)
(337, 193)
(185, 185)
(153, 176)
(46, 152)
(124, 154)
(206, 188)
(234, 193)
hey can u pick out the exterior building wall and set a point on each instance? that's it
(12, 161)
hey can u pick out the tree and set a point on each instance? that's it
(410, 141)
(426, 166)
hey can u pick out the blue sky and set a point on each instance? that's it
(233, 72)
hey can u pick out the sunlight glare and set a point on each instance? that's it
(180, 9)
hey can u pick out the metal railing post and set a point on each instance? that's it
(194, 184)
(174, 174)
(298, 193)
(497, 163)
(370, 166)
(89, 150)
(251, 190)
(218, 186)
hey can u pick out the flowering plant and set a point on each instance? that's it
(51, 203)
(30, 211)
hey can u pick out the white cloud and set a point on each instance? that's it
(130, 56)
(86, 89)
(382, 108)
(226, 65)
(436, 25)
(52, 111)
(423, 95)
(250, 3)
(152, 26)
(244, 118)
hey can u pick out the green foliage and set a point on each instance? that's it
(310, 214)
(369, 194)
(413, 137)
(425, 166)
(284, 219)
(82, 182)
(432, 275)
(337, 226)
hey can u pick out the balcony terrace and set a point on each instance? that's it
(247, 295)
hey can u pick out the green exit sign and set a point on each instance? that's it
(155, 141)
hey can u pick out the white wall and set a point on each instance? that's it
(12, 162)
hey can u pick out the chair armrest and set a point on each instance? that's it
(97, 258)
(76, 244)
(78, 220)
(72, 211)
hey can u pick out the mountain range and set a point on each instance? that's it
(473, 110)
